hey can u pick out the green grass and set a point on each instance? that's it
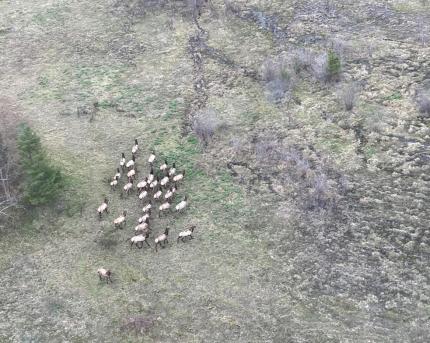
(370, 151)
(394, 96)
(53, 15)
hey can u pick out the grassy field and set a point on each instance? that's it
(90, 76)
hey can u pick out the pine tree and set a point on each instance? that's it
(333, 65)
(43, 182)
(28, 144)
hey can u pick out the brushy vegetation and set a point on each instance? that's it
(348, 96)
(323, 66)
(10, 171)
(423, 102)
(205, 124)
(279, 77)
(43, 182)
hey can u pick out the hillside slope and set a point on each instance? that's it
(312, 220)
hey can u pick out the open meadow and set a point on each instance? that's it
(311, 199)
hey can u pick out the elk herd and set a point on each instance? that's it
(155, 191)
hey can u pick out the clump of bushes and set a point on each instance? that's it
(423, 102)
(43, 182)
(10, 173)
(348, 96)
(325, 66)
(205, 124)
(280, 73)
(278, 76)
(139, 325)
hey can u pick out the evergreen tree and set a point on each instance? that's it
(333, 65)
(43, 182)
(29, 144)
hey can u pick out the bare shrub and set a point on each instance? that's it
(374, 118)
(348, 96)
(330, 7)
(278, 76)
(205, 124)
(195, 7)
(316, 191)
(423, 102)
(9, 171)
(138, 325)
(423, 31)
(230, 7)
(319, 67)
(266, 151)
(269, 70)
(236, 144)
(323, 66)
(301, 59)
(322, 194)
(340, 47)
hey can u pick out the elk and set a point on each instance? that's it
(103, 208)
(138, 240)
(162, 239)
(135, 147)
(104, 274)
(120, 220)
(187, 233)
(181, 205)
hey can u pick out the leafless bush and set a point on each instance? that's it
(423, 102)
(205, 124)
(339, 46)
(316, 190)
(236, 144)
(374, 118)
(9, 171)
(323, 66)
(322, 194)
(266, 151)
(423, 31)
(138, 325)
(302, 59)
(307, 60)
(230, 7)
(319, 67)
(330, 7)
(195, 7)
(348, 96)
(279, 77)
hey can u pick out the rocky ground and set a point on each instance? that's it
(312, 220)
